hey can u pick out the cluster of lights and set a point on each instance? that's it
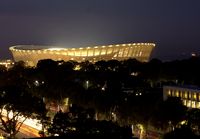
(138, 94)
(20, 47)
(140, 51)
(7, 63)
(72, 52)
(190, 97)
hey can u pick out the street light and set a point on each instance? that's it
(87, 84)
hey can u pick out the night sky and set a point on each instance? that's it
(174, 25)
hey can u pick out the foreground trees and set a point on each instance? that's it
(193, 120)
(181, 133)
(80, 122)
(101, 86)
(169, 114)
(16, 106)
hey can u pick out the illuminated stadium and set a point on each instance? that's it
(31, 54)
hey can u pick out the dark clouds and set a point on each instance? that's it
(172, 24)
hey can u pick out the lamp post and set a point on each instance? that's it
(87, 84)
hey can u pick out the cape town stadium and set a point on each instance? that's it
(31, 54)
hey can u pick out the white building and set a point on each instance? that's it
(189, 95)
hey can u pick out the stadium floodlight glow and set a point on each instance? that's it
(31, 54)
(56, 49)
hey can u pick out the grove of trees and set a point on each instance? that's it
(101, 87)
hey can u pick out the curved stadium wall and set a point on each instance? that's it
(31, 54)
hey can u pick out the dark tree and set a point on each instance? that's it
(16, 106)
(181, 133)
(169, 114)
(193, 119)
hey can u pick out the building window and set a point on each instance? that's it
(198, 105)
(195, 96)
(190, 95)
(193, 104)
(199, 96)
(177, 93)
(173, 93)
(189, 103)
(184, 102)
(185, 94)
(169, 93)
(181, 94)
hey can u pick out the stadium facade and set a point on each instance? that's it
(31, 54)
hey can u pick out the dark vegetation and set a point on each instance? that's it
(126, 92)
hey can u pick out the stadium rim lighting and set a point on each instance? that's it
(32, 54)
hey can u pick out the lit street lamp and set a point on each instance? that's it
(87, 84)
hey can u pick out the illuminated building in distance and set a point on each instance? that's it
(189, 95)
(31, 54)
(7, 63)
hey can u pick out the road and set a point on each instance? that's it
(28, 132)
(25, 132)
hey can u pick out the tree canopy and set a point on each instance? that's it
(16, 106)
